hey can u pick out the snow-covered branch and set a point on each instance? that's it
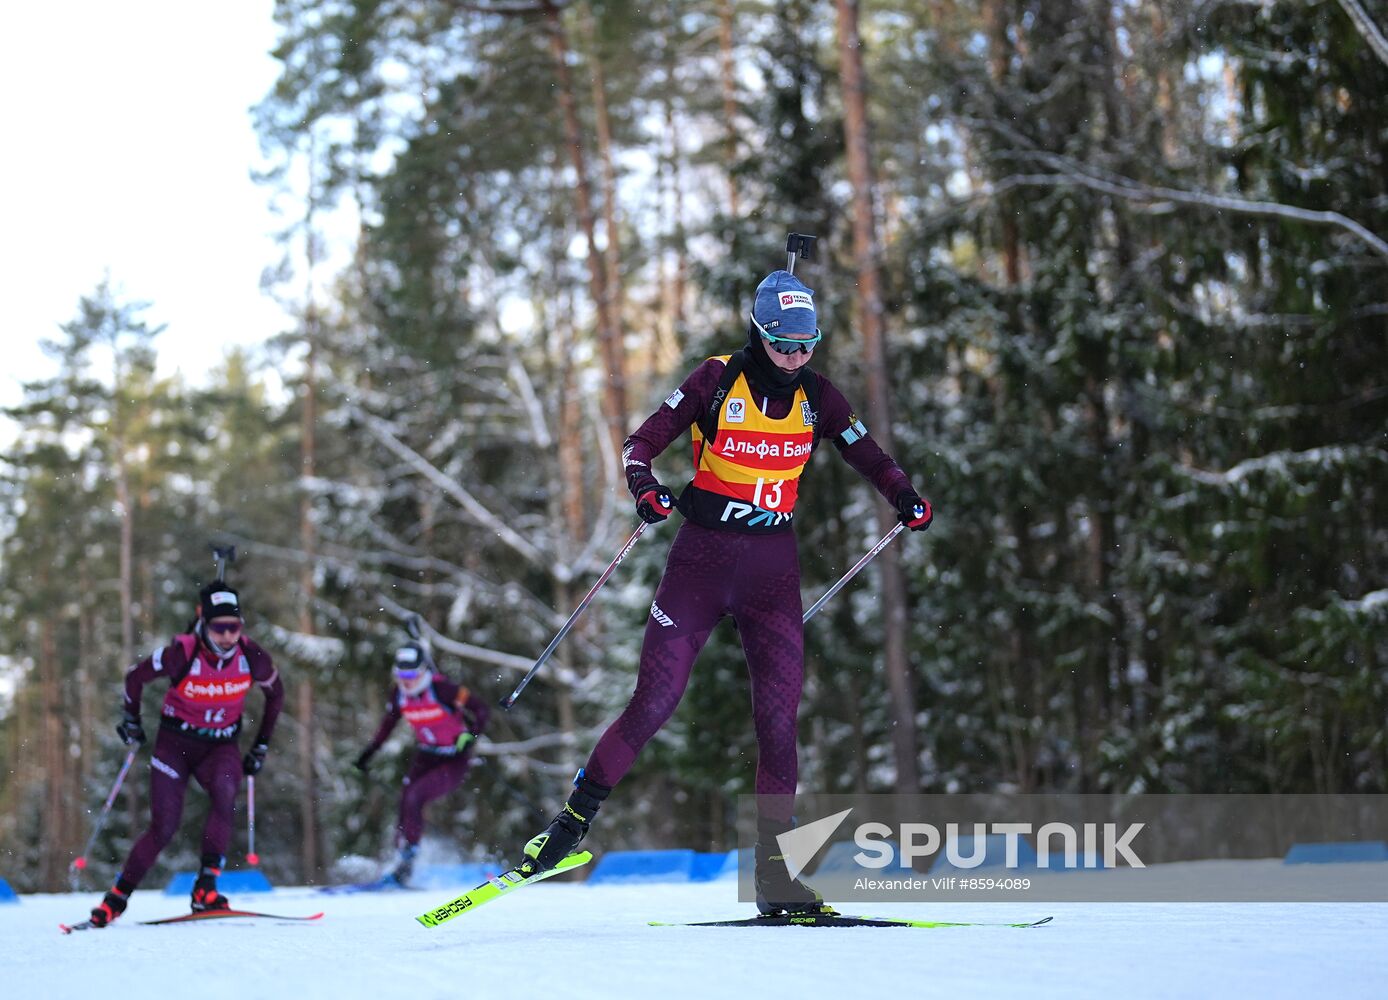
(1371, 602)
(1069, 172)
(1366, 27)
(1159, 199)
(320, 650)
(481, 654)
(604, 533)
(453, 488)
(1283, 462)
(522, 381)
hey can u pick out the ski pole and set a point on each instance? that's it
(510, 699)
(252, 858)
(872, 552)
(80, 862)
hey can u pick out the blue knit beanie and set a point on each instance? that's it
(784, 305)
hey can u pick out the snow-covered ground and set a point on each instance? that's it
(570, 940)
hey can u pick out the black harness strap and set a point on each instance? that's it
(708, 420)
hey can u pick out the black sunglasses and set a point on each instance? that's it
(788, 345)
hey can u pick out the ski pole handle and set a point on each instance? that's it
(80, 862)
(223, 555)
(871, 554)
(510, 699)
(251, 857)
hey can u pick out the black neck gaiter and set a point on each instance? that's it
(762, 371)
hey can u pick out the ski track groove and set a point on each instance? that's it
(578, 941)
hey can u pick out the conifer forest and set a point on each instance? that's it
(1108, 279)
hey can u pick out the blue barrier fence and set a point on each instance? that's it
(629, 867)
(707, 867)
(993, 849)
(252, 880)
(1337, 852)
(7, 894)
(465, 874)
(676, 865)
(728, 869)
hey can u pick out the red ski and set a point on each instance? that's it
(186, 917)
(222, 914)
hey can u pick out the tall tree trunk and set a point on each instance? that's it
(88, 670)
(54, 747)
(681, 276)
(144, 575)
(612, 251)
(123, 501)
(308, 780)
(573, 511)
(900, 678)
(564, 696)
(1114, 458)
(998, 58)
(673, 271)
(575, 514)
(1169, 117)
(1023, 639)
(609, 337)
(728, 82)
(127, 560)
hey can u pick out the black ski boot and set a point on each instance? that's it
(777, 892)
(112, 904)
(205, 894)
(562, 837)
(404, 868)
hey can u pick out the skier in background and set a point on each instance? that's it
(210, 670)
(446, 718)
(756, 416)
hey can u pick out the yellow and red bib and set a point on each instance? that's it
(748, 477)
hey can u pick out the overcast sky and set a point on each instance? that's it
(128, 147)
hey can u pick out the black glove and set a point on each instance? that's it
(913, 511)
(130, 730)
(363, 761)
(653, 503)
(255, 758)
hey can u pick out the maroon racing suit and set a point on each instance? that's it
(439, 715)
(717, 568)
(198, 726)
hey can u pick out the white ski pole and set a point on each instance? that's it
(872, 552)
(252, 858)
(511, 698)
(80, 862)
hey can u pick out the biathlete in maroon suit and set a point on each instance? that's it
(756, 417)
(210, 671)
(446, 718)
